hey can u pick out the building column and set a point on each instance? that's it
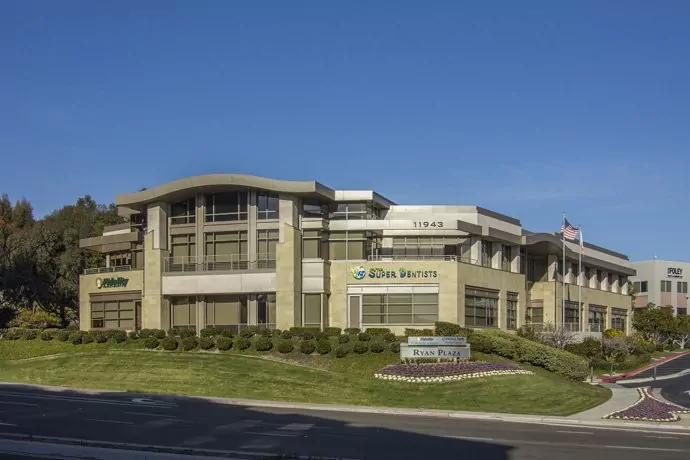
(552, 270)
(200, 218)
(616, 284)
(200, 314)
(288, 265)
(515, 261)
(476, 250)
(496, 254)
(252, 217)
(153, 311)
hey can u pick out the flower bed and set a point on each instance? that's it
(446, 372)
(649, 409)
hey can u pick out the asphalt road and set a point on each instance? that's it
(255, 432)
(676, 390)
(671, 367)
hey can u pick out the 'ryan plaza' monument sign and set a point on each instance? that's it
(435, 347)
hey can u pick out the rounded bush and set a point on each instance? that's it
(206, 343)
(377, 347)
(343, 338)
(133, 335)
(389, 337)
(119, 336)
(186, 333)
(223, 343)
(264, 344)
(286, 335)
(321, 336)
(265, 332)
(323, 347)
(99, 337)
(353, 330)
(247, 333)
(341, 351)
(332, 331)
(14, 334)
(189, 343)
(285, 346)
(307, 347)
(243, 343)
(360, 348)
(79, 337)
(395, 347)
(378, 330)
(210, 331)
(364, 337)
(86, 338)
(306, 335)
(62, 336)
(151, 343)
(157, 333)
(46, 335)
(30, 334)
(169, 343)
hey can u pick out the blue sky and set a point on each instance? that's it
(528, 108)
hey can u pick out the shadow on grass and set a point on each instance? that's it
(195, 426)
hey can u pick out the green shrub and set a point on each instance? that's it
(34, 319)
(285, 346)
(265, 332)
(210, 331)
(343, 338)
(77, 337)
(378, 331)
(185, 333)
(554, 360)
(307, 347)
(243, 343)
(157, 333)
(360, 348)
(589, 348)
(133, 335)
(341, 351)
(169, 343)
(14, 334)
(377, 347)
(286, 335)
(119, 336)
(206, 343)
(99, 337)
(482, 343)
(332, 331)
(248, 332)
(306, 335)
(352, 330)
(503, 346)
(30, 334)
(46, 335)
(528, 332)
(263, 344)
(321, 336)
(62, 336)
(223, 343)
(189, 343)
(445, 329)
(364, 337)
(389, 337)
(86, 338)
(151, 342)
(299, 331)
(323, 347)
(395, 347)
(419, 332)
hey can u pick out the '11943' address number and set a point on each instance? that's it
(426, 224)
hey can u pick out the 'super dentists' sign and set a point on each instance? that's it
(360, 273)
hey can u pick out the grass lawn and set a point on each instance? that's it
(292, 377)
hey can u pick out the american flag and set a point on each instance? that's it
(568, 230)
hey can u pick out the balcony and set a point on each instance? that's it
(95, 271)
(549, 327)
(218, 263)
(440, 258)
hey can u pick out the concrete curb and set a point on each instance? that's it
(436, 413)
(652, 380)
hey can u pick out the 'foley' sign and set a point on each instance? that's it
(111, 282)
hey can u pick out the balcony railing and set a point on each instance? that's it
(119, 268)
(547, 327)
(217, 263)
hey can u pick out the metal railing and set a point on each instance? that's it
(119, 268)
(217, 263)
(548, 327)
(442, 258)
(596, 327)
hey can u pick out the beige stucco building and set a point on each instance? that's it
(235, 250)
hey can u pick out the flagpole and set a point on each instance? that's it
(563, 275)
(579, 285)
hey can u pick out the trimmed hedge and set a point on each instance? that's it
(299, 331)
(118, 336)
(189, 343)
(263, 344)
(223, 343)
(323, 347)
(360, 348)
(99, 337)
(321, 336)
(13, 334)
(285, 346)
(332, 331)
(352, 330)
(389, 337)
(364, 337)
(442, 328)
(30, 334)
(80, 337)
(62, 336)
(377, 347)
(343, 338)
(377, 330)
(342, 351)
(395, 347)
(134, 335)
(418, 332)
(206, 343)
(243, 343)
(215, 331)
(182, 333)
(307, 335)
(46, 335)
(169, 343)
(157, 333)
(307, 347)
(151, 343)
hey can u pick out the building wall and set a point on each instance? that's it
(656, 271)
(88, 287)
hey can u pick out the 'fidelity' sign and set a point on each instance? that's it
(438, 341)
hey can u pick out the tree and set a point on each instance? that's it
(615, 347)
(681, 330)
(23, 214)
(556, 336)
(5, 209)
(655, 323)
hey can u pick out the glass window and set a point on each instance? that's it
(486, 253)
(618, 319)
(266, 310)
(535, 312)
(353, 245)
(114, 314)
(395, 309)
(481, 308)
(226, 207)
(572, 316)
(682, 311)
(183, 212)
(183, 312)
(183, 246)
(597, 318)
(312, 310)
(665, 286)
(267, 240)
(229, 311)
(423, 247)
(640, 286)
(267, 206)
(312, 208)
(682, 287)
(511, 310)
(314, 244)
(353, 211)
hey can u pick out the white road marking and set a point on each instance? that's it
(197, 440)
(237, 426)
(297, 427)
(574, 432)
(109, 421)
(148, 414)
(280, 435)
(86, 400)
(7, 424)
(661, 437)
(15, 403)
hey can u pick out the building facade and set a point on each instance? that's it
(663, 283)
(235, 250)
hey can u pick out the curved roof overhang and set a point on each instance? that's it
(178, 188)
(547, 243)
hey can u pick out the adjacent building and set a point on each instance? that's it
(663, 283)
(234, 250)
